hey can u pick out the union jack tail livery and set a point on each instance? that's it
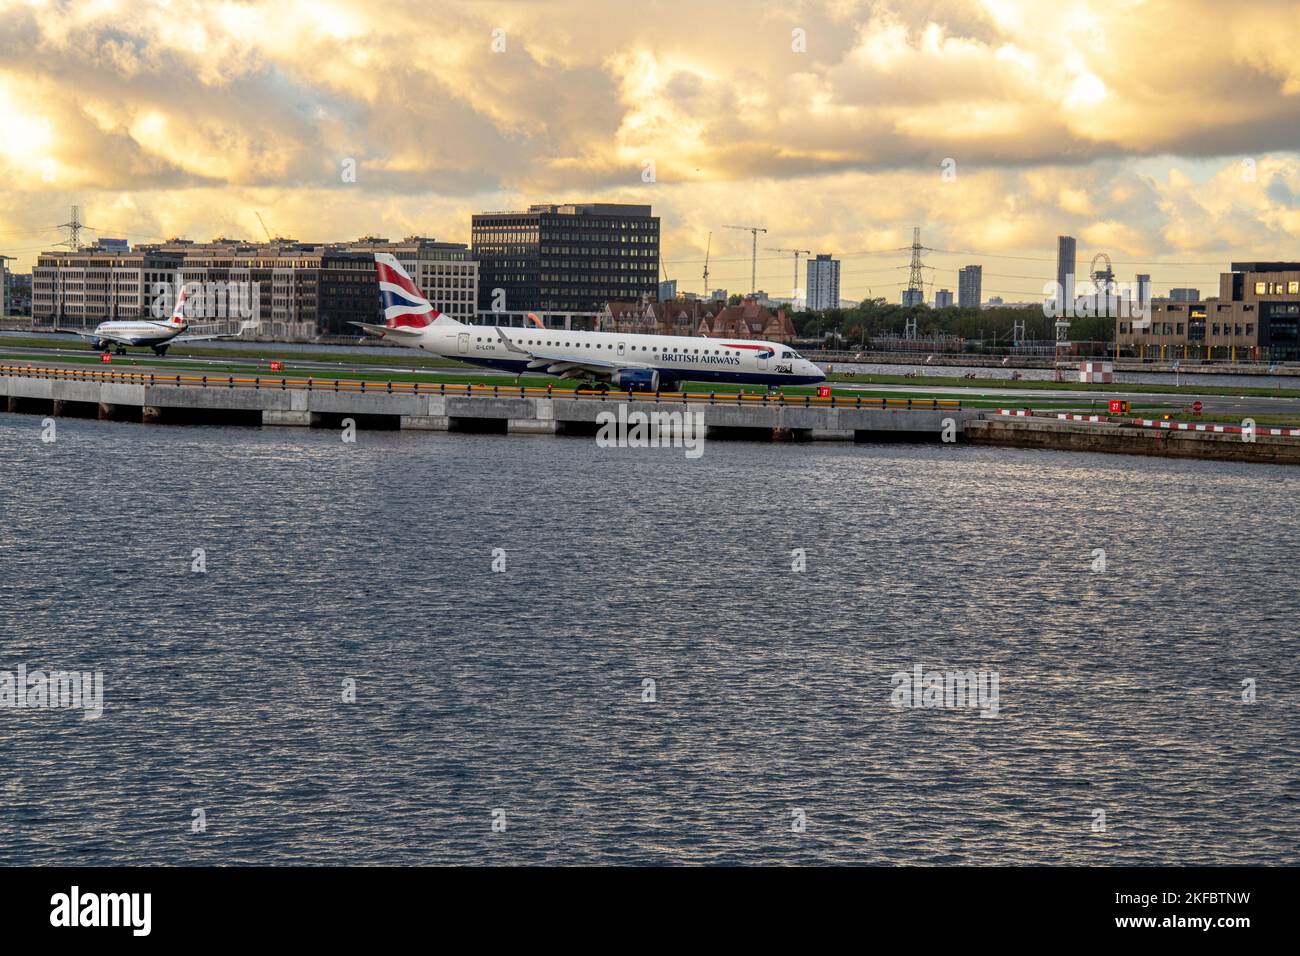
(178, 314)
(405, 307)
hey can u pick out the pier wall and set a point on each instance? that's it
(560, 412)
(1130, 440)
(279, 403)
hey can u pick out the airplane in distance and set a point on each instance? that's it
(640, 363)
(156, 335)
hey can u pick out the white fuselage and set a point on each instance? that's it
(139, 333)
(673, 357)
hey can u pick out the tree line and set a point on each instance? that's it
(874, 318)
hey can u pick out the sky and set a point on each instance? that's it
(1164, 133)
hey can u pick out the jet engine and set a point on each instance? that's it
(636, 380)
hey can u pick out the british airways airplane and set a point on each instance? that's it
(639, 363)
(157, 335)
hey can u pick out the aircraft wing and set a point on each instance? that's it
(93, 336)
(557, 363)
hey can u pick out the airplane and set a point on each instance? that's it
(157, 335)
(642, 363)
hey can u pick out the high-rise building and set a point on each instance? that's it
(1065, 266)
(667, 290)
(943, 299)
(570, 257)
(823, 283)
(970, 281)
(913, 297)
(1143, 288)
(1185, 295)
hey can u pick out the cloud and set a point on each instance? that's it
(175, 116)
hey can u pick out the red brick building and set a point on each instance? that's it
(713, 319)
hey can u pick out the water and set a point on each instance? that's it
(522, 691)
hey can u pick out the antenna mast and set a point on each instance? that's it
(74, 228)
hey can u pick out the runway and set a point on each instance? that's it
(1242, 405)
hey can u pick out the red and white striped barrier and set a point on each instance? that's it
(1157, 423)
(1221, 429)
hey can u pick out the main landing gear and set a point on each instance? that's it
(601, 387)
(160, 350)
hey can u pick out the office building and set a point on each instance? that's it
(302, 290)
(943, 299)
(100, 283)
(446, 272)
(569, 257)
(1255, 316)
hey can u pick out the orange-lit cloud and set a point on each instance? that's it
(1123, 122)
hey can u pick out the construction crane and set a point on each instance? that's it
(263, 222)
(707, 248)
(753, 261)
(797, 253)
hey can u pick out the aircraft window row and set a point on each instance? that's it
(653, 348)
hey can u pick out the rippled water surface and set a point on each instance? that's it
(523, 691)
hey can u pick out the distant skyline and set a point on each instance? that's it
(830, 124)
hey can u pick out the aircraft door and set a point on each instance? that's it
(464, 343)
(762, 360)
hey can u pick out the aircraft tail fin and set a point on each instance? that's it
(177, 319)
(405, 306)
